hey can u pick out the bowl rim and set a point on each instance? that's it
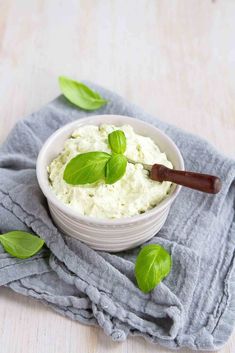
(52, 198)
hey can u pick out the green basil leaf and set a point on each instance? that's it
(81, 95)
(86, 168)
(153, 263)
(21, 244)
(117, 141)
(115, 168)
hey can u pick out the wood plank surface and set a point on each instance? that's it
(175, 58)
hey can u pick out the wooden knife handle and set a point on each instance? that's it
(202, 182)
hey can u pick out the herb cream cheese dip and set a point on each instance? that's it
(133, 194)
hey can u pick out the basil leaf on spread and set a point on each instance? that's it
(86, 168)
(117, 141)
(115, 168)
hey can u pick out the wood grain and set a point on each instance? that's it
(175, 58)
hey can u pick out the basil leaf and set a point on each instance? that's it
(153, 263)
(21, 244)
(81, 95)
(117, 141)
(115, 168)
(86, 168)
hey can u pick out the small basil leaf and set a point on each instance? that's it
(117, 141)
(115, 168)
(86, 168)
(153, 263)
(81, 95)
(21, 244)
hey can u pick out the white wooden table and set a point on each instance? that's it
(174, 58)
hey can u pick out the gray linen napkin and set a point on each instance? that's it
(193, 307)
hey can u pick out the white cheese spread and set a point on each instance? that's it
(133, 194)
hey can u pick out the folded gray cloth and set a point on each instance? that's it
(193, 307)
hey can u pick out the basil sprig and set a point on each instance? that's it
(81, 95)
(91, 167)
(21, 244)
(152, 265)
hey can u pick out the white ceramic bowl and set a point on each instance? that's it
(101, 234)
